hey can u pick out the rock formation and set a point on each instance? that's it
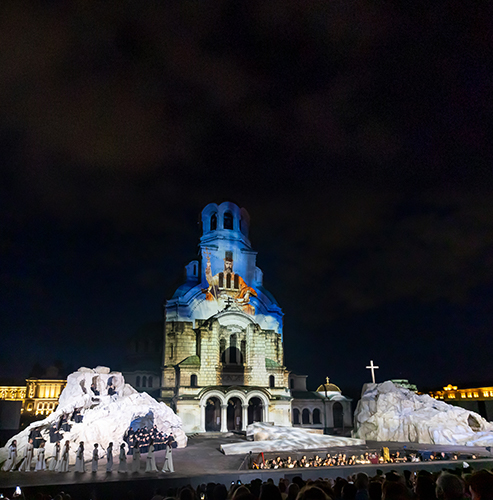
(387, 412)
(105, 416)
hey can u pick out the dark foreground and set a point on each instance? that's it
(201, 463)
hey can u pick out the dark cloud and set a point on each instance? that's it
(355, 134)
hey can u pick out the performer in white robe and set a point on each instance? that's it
(151, 459)
(62, 465)
(28, 457)
(40, 460)
(55, 458)
(168, 455)
(122, 466)
(109, 458)
(9, 465)
(95, 458)
(136, 458)
(80, 466)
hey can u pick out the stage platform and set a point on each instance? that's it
(201, 462)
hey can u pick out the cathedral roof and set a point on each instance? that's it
(328, 388)
(190, 361)
(183, 289)
(270, 363)
(306, 395)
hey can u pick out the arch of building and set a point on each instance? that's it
(225, 397)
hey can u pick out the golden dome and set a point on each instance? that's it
(328, 387)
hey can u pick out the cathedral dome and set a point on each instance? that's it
(327, 387)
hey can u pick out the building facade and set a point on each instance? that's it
(223, 359)
(22, 404)
(223, 364)
(326, 408)
(37, 397)
(144, 358)
(479, 399)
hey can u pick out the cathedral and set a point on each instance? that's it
(223, 362)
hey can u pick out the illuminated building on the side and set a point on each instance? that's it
(479, 399)
(26, 403)
(37, 397)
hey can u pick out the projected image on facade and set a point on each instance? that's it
(225, 277)
(228, 287)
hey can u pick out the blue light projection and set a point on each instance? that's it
(225, 278)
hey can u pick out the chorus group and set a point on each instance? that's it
(59, 462)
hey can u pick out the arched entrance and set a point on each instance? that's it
(213, 415)
(338, 415)
(255, 410)
(234, 414)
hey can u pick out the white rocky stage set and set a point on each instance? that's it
(268, 437)
(105, 417)
(387, 412)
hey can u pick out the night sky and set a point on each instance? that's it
(356, 135)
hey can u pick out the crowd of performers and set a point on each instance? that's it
(59, 462)
(143, 437)
(339, 459)
(63, 424)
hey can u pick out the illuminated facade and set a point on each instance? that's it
(223, 354)
(38, 397)
(12, 393)
(223, 358)
(479, 400)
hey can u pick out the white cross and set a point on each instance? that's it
(372, 367)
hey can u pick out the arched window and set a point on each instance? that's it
(316, 416)
(232, 344)
(228, 220)
(144, 381)
(243, 350)
(193, 380)
(213, 222)
(272, 381)
(296, 416)
(305, 416)
(291, 383)
(338, 414)
(149, 381)
(137, 381)
(222, 345)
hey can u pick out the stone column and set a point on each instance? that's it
(202, 417)
(224, 418)
(265, 412)
(244, 417)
